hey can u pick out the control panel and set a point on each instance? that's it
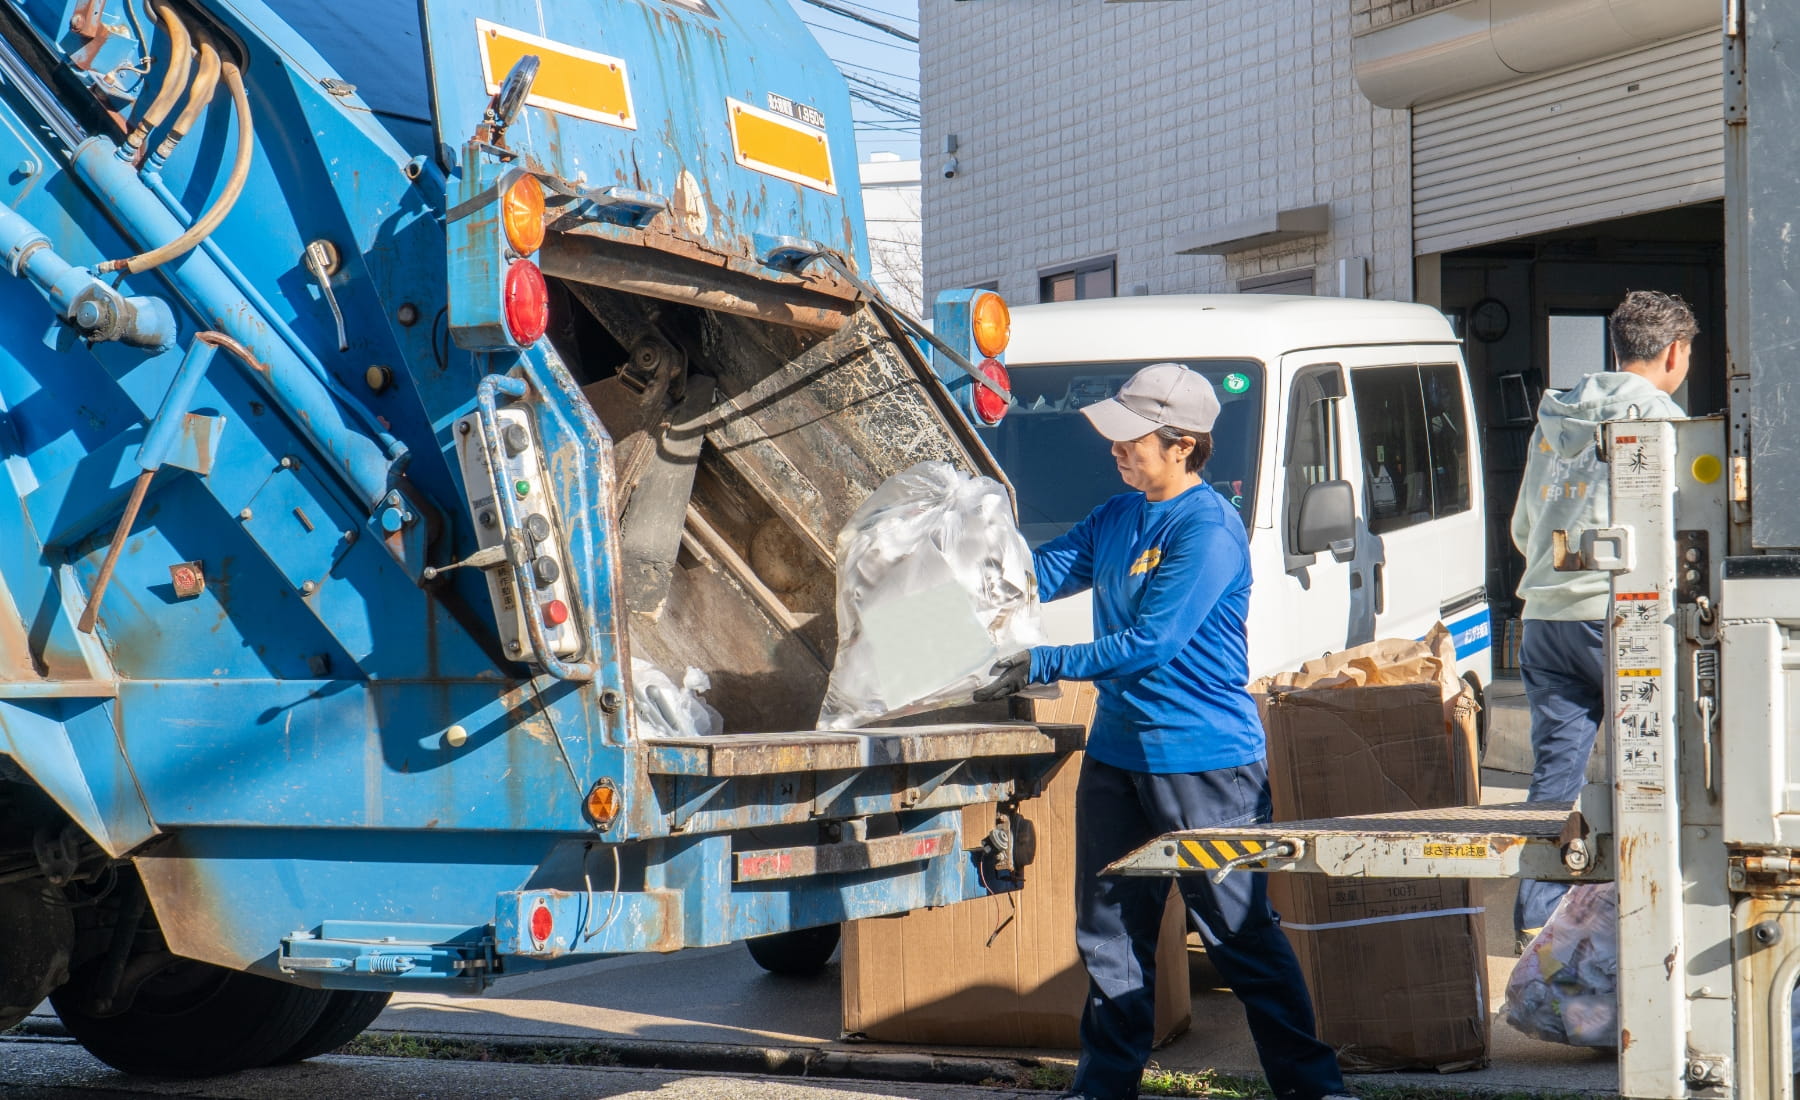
(519, 467)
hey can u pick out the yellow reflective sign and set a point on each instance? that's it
(780, 146)
(570, 80)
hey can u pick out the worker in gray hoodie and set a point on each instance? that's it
(1562, 654)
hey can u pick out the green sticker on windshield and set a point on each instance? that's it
(1237, 383)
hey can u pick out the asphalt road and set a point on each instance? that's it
(58, 1069)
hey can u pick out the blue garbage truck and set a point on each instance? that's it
(380, 382)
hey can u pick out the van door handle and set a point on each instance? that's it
(1380, 588)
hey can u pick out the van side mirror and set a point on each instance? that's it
(1327, 520)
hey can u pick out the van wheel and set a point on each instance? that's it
(193, 1019)
(797, 954)
(1481, 716)
(346, 1016)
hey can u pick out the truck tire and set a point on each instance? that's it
(345, 1016)
(193, 1019)
(797, 954)
(37, 940)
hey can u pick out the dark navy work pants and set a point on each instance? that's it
(1117, 920)
(1563, 665)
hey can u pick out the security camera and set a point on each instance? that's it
(950, 167)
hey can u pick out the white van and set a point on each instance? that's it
(1347, 439)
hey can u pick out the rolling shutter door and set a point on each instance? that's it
(1627, 135)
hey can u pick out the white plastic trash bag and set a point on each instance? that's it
(664, 710)
(1564, 988)
(934, 584)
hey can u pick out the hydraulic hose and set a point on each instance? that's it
(175, 79)
(234, 186)
(200, 96)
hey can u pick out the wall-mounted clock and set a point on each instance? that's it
(1489, 319)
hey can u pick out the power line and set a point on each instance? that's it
(883, 89)
(909, 115)
(847, 66)
(857, 17)
(879, 13)
(861, 37)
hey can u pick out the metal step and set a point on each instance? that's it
(733, 754)
(1523, 840)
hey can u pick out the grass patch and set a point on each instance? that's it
(431, 1048)
(1208, 1085)
(1204, 1084)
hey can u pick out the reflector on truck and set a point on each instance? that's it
(570, 80)
(781, 147)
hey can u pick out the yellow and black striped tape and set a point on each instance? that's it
(1210, 855)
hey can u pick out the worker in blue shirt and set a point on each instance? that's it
(1176, 741)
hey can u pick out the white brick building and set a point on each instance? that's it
(1086, 131)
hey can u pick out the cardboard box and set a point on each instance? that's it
(1001, 971)
(1397, 967)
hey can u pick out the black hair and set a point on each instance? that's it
(1203, 445)
(1648, 321)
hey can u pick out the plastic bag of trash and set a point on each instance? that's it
(1564, 988)
(665, 710)
(934, 584)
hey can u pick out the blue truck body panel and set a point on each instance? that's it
(297, 725)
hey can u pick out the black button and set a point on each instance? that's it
(537, 527)
(516, 438)
(545, 571)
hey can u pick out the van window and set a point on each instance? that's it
(1062, 469)
(1312, 450)
(1415, 443)
(1448, 425)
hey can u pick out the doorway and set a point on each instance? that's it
(1532, 314)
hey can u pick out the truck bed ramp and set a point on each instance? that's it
(1522, 840)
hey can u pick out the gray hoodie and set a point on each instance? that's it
(1565, 487)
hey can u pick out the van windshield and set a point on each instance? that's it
(1063, 469)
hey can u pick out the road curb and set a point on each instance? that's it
(778, 1061)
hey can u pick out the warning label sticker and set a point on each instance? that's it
(1637, 632)
(1640, 799)
(1637, 466)
(1455, 851)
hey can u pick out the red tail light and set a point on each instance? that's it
(989, 406)
(542, 924)
(527, 302)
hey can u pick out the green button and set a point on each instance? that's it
(522, 487)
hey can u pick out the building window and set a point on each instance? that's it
(1092, 279)
(1580, 344)
(1282, 282)
(1415, 442)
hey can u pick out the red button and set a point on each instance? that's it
(556, 613)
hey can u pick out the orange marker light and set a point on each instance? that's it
(522, 213)
(992, 324)
(603, 803)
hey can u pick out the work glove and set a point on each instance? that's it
(1011, 675)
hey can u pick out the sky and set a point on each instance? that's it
(881, 66)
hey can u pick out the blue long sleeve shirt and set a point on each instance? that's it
(1171, 583)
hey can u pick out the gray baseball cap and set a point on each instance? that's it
(1162, 395)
